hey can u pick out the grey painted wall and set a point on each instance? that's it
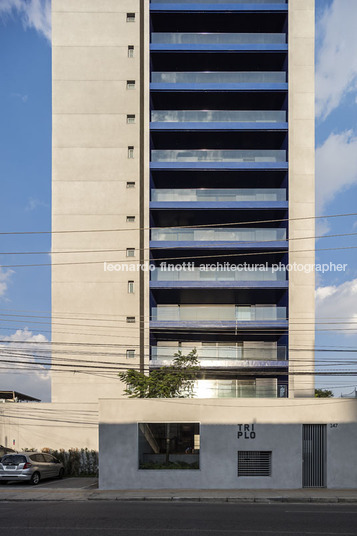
(218, 458)
(277, 423)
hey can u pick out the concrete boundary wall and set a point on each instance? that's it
(55, 426)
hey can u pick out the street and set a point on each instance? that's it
(175, 519)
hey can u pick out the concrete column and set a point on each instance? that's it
(301, 195)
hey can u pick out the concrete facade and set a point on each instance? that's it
(98, 182)
(302, 193)
(91, 197)
(277, 426)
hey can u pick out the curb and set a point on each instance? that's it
(232, 500)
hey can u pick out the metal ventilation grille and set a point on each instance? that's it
(254, 463)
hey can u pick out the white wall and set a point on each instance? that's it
(55, 426)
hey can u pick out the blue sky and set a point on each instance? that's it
(25, 170)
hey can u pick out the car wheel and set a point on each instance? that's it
(61, 474)
(35, 479)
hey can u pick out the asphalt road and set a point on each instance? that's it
(180, 519)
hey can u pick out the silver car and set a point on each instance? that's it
(30, 466)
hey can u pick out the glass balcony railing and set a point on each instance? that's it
(177, 38)
(226, 195)
(213, 355)
(195, 274)
(258, 234)
(202, 155)
(219, 77)
(222, 116)
(218, 1)
(218, 313)
(252, 388)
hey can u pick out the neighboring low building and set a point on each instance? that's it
(15, 396)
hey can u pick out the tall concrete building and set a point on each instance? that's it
(183, 132)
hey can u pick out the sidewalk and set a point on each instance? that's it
(81, 489)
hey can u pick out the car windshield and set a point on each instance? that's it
(13, 460)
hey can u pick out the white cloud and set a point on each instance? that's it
(23, 98)
(322, 227)
(4, 280)
(23, 348)
(34, 14)
(336, 166)
(337, 302)
(336, 62)
(34, 203)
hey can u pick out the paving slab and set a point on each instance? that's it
(83, 490)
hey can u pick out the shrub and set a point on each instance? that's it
(77, 462)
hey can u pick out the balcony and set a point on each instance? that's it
(218, 77)
(218, 159)
(218, 116)
(239, 388)
(218, 5)
(194, 277)
(218, 1)
(213, 355)
(218, 238)
(218, 313)
(215, 41)
(217, 195)
(218, 120)
(178, 38)
(178, 234)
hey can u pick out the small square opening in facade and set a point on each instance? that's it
(130, 252)
(130, 354)
(130, 51)
(130, 287)
(130, 84)
(130, 17)
(130, 319)
(130, 119)
(130, 184)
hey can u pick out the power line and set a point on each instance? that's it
(316, 320)
(63, 252)
(195, 257)
(149, 248)
(67, 231)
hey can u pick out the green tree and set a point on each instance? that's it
(323, 393)
(174, 381)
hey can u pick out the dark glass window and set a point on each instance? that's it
(37, 458)
(13, 460)
(169, 445)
